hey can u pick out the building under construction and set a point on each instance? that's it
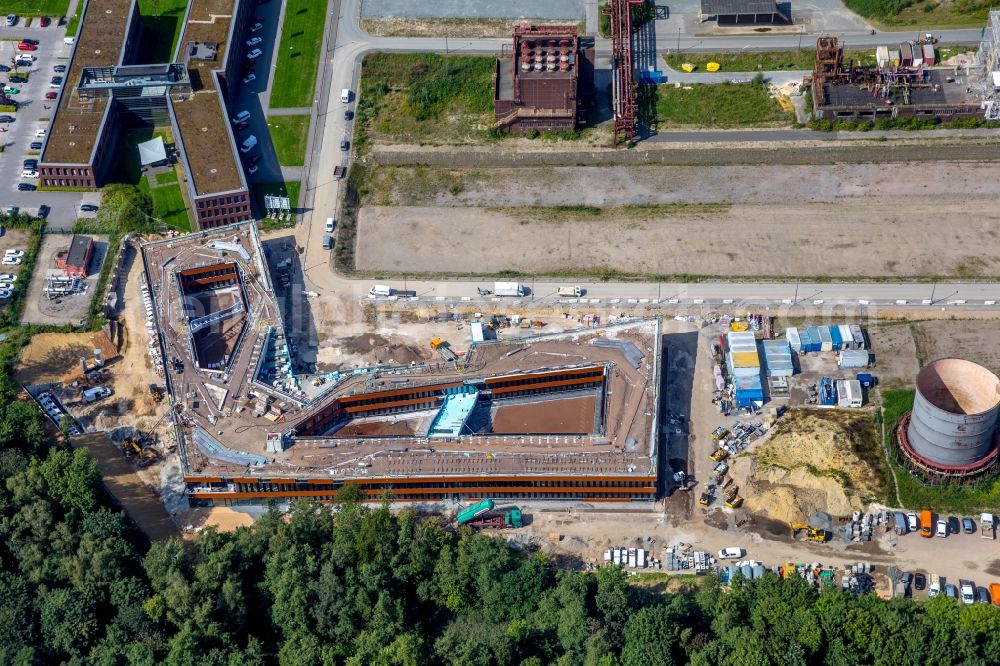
(546, 81)
(560, 416)
(904, 82)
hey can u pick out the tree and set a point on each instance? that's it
(72, 480)
(125, 209)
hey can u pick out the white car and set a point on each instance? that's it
(253, 169)
(14, 253)
(40, 133)
(29, 173)
(328, 226)
(8, 277)
(912, 522)
(6, 293)
(256, 53)
(11, 261)
(249, 77)
(731, 553)
(256, 26)
(6, 286)
(254, 41)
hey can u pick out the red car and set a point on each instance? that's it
(45, 21)
(25, 46)
(51, 95)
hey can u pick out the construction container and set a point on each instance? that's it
(847, 337)
(853, 358)
(867, 381)
(838, 342)
(918, 56)
(894, 57)
(805, 336)
(905, 55)
(859, 336)
(849, 393)
(929, 57)
(825, 339)
(794, 341)
(746, 359)
(778, 358)
(882, 56)
(749, 391)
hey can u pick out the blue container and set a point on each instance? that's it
(867, 381)
(815, 339)
(838, 341)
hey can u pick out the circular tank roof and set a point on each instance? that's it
(958, 386)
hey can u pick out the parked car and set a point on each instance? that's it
(36, 145)
(26, 46)
(11, 19)
(33, 42)
(10, 90)
(6, 119)
(8, 277)
(913, 522)
(254, 41)
(25, 187)
(968, 526)
(59, 69)
(328, 225)
(14, 253)
(11, 261)
(56, 82)
(731, 553)
(249, 77)
(256, 26)
(43, 212)
(29, 173)
(345, 144)
(942, 529)
(982, 595)
(348, 115)
(253, 169)
(4, 68)
(906, 578)
(88, 208)
(17, 78)
(919, 581)
(7, 285)
(45, 22)
(51, 95)
(953, 525)
(6, 293)
(951, 591)
(256, 53)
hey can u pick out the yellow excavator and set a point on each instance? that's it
(812, 534)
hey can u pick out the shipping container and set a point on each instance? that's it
(894, 57)
(867, 381)
(805, 336)
(859, 336)
(778, 358)
(882, 56)
(746, 359)
(838, 342)
(929, 57)
(849, 393)
(847, 337)
(748, 391)
(905, 55)
(794, 341)
(853, 358)
(825, 339)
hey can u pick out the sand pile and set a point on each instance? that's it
(814, 461)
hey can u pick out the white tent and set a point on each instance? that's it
(152, 152)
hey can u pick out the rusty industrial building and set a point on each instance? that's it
(904, 82)
(546, 80)
(571, 415)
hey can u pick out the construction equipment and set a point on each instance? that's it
(812, 534)
(731, 493)
(707, 496)
(503, 520)
(156, 392)
(719, 455)
(442, 348)
(470, 513)
(734, 503)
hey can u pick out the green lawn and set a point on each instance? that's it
(260, 190)
(298, 53)
(984, 496)
(717, 105)
(289, 133)
(52, 8)
(73, 24)
(168, 203)
(161, 23)
(922, 14)
(424, 97)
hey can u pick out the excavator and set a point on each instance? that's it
(812, 534)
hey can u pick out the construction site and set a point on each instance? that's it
(562, 415)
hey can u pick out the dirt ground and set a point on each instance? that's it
(55, 357)
(39, 309)
(572, 415)
(749, 240)
(426, 27)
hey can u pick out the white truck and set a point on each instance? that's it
(570, 291)
(935, 588)
(967, 591)
(94, 394)
(385, 291)
(508, 289)
(986, 525)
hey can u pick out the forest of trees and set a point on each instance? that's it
(80, 585)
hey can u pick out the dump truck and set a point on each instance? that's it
(719, 455)
(734, 503)
(502, 520)
(470, 513)
(570, 291)
(508, 289)
(94, 394)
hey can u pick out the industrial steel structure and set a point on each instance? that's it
(623, 85)
(570, 415)
(988, 59)
(952, 431)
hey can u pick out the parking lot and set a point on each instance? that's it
(33, 113)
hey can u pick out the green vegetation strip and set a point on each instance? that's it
(745, 61)
(913, 493)
(162, 22)
(289, 134)
(719, 105)
(73, 24)
(922, 14)
(298, 53)
(24, 8)
(290, 189)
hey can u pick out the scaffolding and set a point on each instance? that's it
(988, 60)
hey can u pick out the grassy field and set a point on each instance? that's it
(913, 494)
(168, 204)
(298, 53)
(423, 97)
(922, 14)
(161, 23)
(73, 24)
(289, 133)
(720, 105)
(765, 61)
(52, 8)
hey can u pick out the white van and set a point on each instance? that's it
(248, 144)
(69, 41)
(241, 117)
(40, 133)
(380, 290)
(345, 95)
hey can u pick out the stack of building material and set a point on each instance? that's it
(853, 358)
(778, 358)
